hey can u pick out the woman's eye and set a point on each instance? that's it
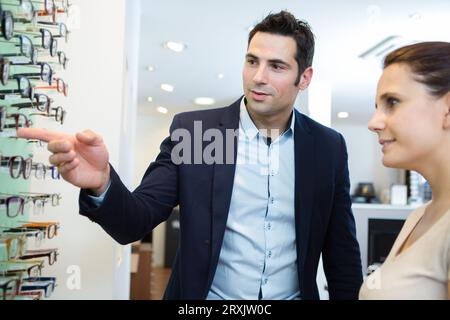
(392, 102)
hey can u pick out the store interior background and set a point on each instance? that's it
(110, 83)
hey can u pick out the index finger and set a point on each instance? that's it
(40, 134)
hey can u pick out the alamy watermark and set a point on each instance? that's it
(215, 146)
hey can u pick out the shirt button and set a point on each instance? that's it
(272, 200)
(266, 280)
(269, 226)
(269, 254)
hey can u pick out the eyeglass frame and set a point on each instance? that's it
(44, 226)
(25, 89)
(59, 115)
(51, 254)
(46, 74)
(28, 123)
(24, 166)
(4, 288)
(37, 104)
(39, 264)
(6, 202)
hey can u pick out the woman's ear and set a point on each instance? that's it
(447, 111)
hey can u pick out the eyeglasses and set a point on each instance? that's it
(60, 87)
(55, 197)
(14, 268)
(14, 205)
(59, 114)
(15, 244)
(45, 74)
(51, 254)
(41, 170)
(37, 234)
(18, 166)
(25, 90)
(7, 24)
(26, 12)
(27, 49)
(41, 102)
(50, 228)
(46, 288)
(9, 288)
(20, 120)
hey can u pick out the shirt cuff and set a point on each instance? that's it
(97, 201)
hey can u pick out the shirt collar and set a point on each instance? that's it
(250, 130)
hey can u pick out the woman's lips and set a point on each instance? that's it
(386, 143)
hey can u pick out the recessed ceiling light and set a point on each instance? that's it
(167, 87)
(162, 110)
(343, 115)
(175, 46)
(220, 76)
(151, 68)
(204, 101)
(150, 99)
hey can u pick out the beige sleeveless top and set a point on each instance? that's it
(421, 271)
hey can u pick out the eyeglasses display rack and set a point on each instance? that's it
(33, 35)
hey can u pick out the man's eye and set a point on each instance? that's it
(251, 61)
(277, 67)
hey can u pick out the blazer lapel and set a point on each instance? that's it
(304, 185)
(223, 180)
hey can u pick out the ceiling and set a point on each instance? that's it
(216, 32)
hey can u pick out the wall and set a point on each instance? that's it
(95, 73)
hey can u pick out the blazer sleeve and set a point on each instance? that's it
(129, 216)
(341, 254)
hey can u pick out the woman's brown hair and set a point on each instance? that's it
(429, 61)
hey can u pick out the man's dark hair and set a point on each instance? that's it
(285, 24)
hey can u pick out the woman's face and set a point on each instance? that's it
(410, 122)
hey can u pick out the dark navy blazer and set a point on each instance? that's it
(323, 216)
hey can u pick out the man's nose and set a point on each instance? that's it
(260, 76)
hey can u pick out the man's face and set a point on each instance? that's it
(270, 73)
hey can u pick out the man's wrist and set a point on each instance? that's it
(99, 191)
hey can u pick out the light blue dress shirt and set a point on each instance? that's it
(258, 259)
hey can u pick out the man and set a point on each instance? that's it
(255, 220)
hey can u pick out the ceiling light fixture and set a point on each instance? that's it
(167, 87)
(343, 115)
(204, 101)
(162, 110)
(150, 99)
(175, 46)
(151, 68)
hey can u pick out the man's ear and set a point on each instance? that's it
(305, 79)
(447, 111)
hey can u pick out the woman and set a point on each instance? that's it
(412, 121)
